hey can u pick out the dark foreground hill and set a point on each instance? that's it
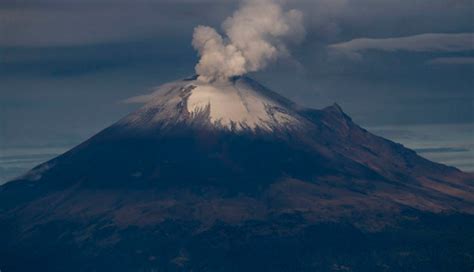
(233, 177)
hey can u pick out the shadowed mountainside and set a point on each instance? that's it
(178, 187)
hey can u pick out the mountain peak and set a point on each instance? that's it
(337, 111)
(336, 107)
(179, 189)
(237, 104)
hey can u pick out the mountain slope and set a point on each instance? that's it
(238, 104)
(201, 162)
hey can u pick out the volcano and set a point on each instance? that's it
(230, 176)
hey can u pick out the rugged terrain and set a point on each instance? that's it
(231, 176)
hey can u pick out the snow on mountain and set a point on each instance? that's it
(237, 104)
(173, 179)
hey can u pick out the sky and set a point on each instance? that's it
(402, 69)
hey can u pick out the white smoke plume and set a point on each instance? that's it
(255, 35)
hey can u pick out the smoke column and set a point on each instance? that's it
(256, 34)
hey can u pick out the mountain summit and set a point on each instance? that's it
(236, 104)
(230, 175)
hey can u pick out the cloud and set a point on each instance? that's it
(255, 35)
(52, 23)
(428, 42)
(441, 149)
(139, 99)
(452, 60)
(72, 22)
(145, 98)
(218, 58)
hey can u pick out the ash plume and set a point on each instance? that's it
(255, 35)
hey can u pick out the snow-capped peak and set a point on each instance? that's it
(237, 104)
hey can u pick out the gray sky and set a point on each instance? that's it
(65, 65)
